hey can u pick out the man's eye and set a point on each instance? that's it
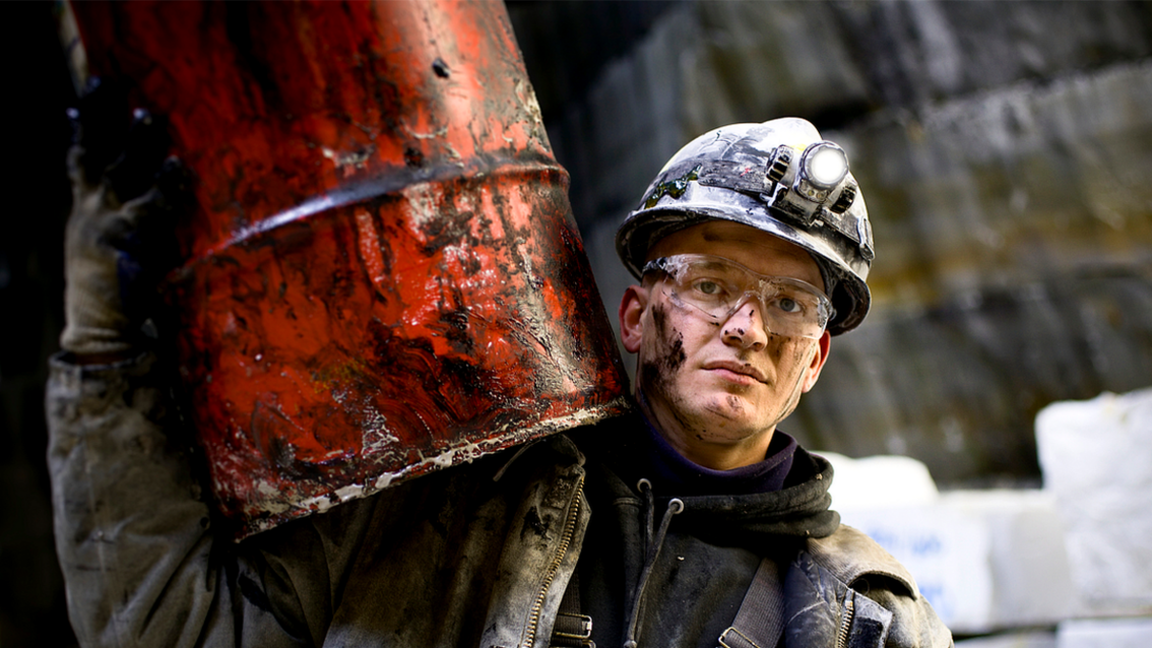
(708, 287)
(789, 305)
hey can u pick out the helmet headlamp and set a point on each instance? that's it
(824, 165)
(810, 184)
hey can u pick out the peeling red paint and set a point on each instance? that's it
(383, 276)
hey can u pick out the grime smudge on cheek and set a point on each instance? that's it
(660, 320)
(776, 345)
(675, 357)
(789, 353)
(670, 354)
(650, 379)
(667, 355)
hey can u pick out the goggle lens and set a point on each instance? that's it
(717, 287)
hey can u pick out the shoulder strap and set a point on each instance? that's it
(572, 629)
(760, 619)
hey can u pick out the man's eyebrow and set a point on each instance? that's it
(716, 265)
(712, 266)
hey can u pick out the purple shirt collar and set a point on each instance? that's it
(672, 474)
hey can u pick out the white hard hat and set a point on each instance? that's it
(779, 177)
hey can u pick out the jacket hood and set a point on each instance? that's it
(799, 510)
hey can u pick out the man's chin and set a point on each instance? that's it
(732, 415)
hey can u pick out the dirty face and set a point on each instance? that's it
(716, 390)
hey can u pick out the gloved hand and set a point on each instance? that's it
(119, 241)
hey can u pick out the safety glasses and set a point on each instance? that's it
(717, 287)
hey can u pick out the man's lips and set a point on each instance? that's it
(737, 368)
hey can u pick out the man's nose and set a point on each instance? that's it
(745, 326)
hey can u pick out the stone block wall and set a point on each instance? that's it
(1002, 148)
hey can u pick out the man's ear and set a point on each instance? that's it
(823, 346)
(631, 313)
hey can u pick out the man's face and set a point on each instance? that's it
(719, 385)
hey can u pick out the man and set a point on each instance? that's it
(752, 245)
(692, 523)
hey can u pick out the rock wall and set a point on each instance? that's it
(1003, 150)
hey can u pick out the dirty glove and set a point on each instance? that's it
(118, 241)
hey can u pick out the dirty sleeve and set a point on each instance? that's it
(141, 563)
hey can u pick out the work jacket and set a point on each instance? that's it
(475, 555)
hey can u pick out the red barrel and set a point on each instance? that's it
(383, 276)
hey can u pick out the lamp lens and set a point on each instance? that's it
(826, 166)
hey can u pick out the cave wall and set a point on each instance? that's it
(1003, 149)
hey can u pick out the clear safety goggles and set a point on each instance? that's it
(717, 287)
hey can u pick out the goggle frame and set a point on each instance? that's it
(678, 268)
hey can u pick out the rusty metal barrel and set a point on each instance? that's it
(382, 276)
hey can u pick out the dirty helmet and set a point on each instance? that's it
(779, 177)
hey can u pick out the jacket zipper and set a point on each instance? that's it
(565, 540)
(846, 623)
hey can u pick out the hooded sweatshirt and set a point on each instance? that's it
(705, 562)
